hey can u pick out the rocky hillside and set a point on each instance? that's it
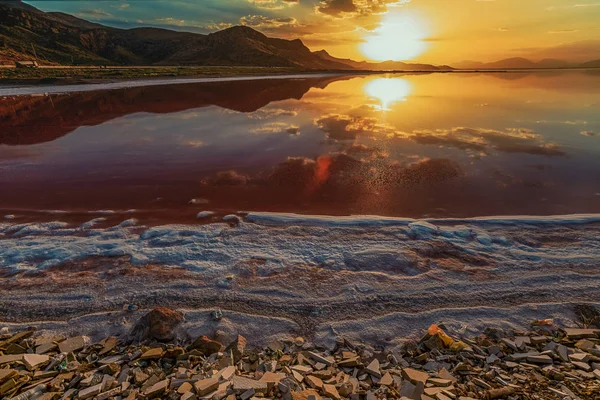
(58, 38)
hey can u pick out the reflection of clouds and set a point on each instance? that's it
(195, 144)
(510, 140)
(342, 174)
(266, 113)
(589, 133)
(346, 127)
(277, 127)
(226, 178)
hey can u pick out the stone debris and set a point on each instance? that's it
(542, 363)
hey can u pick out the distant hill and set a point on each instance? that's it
(524, 63)
(59, 38)
(381, 66)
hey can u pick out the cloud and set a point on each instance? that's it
(260, 21)
(353, 8)
(227, 178)
(95, 13)
(273, 4)
(589, 133)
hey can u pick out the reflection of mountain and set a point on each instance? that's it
(21, 117)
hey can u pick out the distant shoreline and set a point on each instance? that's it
(71, 75)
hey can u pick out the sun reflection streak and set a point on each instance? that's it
(388, 91)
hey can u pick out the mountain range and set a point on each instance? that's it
(524, 63)
(27, 33)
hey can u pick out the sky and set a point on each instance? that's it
(431, 31)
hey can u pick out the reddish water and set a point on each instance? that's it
(416, 145)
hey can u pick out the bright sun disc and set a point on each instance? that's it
(401, 36)
(388, 90)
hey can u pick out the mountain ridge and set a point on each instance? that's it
(525, 63)
(56, 38)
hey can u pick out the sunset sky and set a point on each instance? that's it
(432, 31)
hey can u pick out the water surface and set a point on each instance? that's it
(423, 145)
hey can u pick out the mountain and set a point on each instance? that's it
(524, 63)
(381, 66)
(58, 38)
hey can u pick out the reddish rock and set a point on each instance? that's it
(206, 346)
(159, 324)
(237, 348)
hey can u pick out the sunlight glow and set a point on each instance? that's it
(388, 90)
(401, 36)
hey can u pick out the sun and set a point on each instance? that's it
(400, 37)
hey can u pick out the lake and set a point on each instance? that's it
(420, 145)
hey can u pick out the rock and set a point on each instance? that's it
(414, 376)
(71, 345)
(314, 382)
(159, 324)
(331, 392)
(185, 388)
(157, 389)
(582, 365)
(303, 395)
(34, 361)
(581, 333)
(541, 359)
(206, 346)
(152, 354)
(89, 392)
(386, 380)
(242, 384)
(374, 368)
(206, 386)
(237, 348)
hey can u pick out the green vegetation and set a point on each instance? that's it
(70, 74)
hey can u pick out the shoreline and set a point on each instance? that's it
(314, 275)
(169, 75)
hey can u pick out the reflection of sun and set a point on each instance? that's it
(388, 90)
(399, 37)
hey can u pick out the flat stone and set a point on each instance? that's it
(109, 393)
(303, 369)
(597, 373)
(374, 368)
(331, 391)
(247, 394)
(45, 348)
(581, 333)
(70, 345)
(184, 388)
(482, 383)
(444, 374)
(10, 358)
(109, 344)
(304, 394)
(272, 377)
(412, 391)
(314, 382)
(241, 384)
(322, 359)
(415, 376)
(6, 374)
(511, 345)
(541, 359)
(386, 380)
(16, 338)
(582, 365)
(151, 354)
(89, 392)
(206, 386)
(227, 373)
(440, 382)
(581, 357)
(157, 389)
(563, 352)
(535, 340)
(33, 361)
(237, 348)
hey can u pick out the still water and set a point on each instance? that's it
(441, 145)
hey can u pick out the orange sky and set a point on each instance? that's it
(432, 31)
